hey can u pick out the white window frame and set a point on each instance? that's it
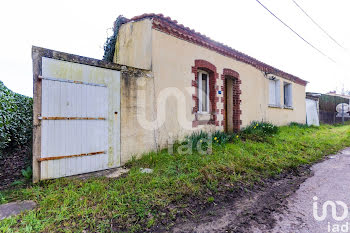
(200, 94)
(289, 93)
(275, 93)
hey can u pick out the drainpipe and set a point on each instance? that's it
(342, 113)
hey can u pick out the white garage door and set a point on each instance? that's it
(74, 128)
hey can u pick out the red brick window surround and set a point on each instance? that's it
(213, 76)
(228, 73)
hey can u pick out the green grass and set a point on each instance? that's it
(141, 200)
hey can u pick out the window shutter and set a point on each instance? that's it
(285, 94)
(290, 95)
(272, 90)
(199, 91)
(278, 93)
(287, 87)
(205, 95)
(203, 92)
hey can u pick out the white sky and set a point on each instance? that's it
(81, 27)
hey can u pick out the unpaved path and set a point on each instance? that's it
(242, 211)
(284, 204)
(330, 182)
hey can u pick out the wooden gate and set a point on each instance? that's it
(76, 123)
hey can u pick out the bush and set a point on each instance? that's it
(259, 131)
(15, 120)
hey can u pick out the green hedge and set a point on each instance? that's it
(16, 120)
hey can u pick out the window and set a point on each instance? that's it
(203, 91)
(287, 90)
(274, 92)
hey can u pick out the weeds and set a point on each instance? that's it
(221, 137)
(2, 199)
(17, 183)
(201, 141)
(197, 139)
(27, 173)
(295, 124)
(259, 131)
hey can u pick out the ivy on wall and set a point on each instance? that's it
(16, 120)
(109, 47)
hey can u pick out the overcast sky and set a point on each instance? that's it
(81, 27)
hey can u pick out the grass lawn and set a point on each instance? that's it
(140, 200)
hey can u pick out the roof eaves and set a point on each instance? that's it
(167, 25)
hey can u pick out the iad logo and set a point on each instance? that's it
(341, 227)
(333, 206)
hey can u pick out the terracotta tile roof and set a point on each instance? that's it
(167, 25)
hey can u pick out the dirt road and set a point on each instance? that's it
(330, 182)
(284, 204)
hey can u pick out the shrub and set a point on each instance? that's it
(15, 120)
(259, 131)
